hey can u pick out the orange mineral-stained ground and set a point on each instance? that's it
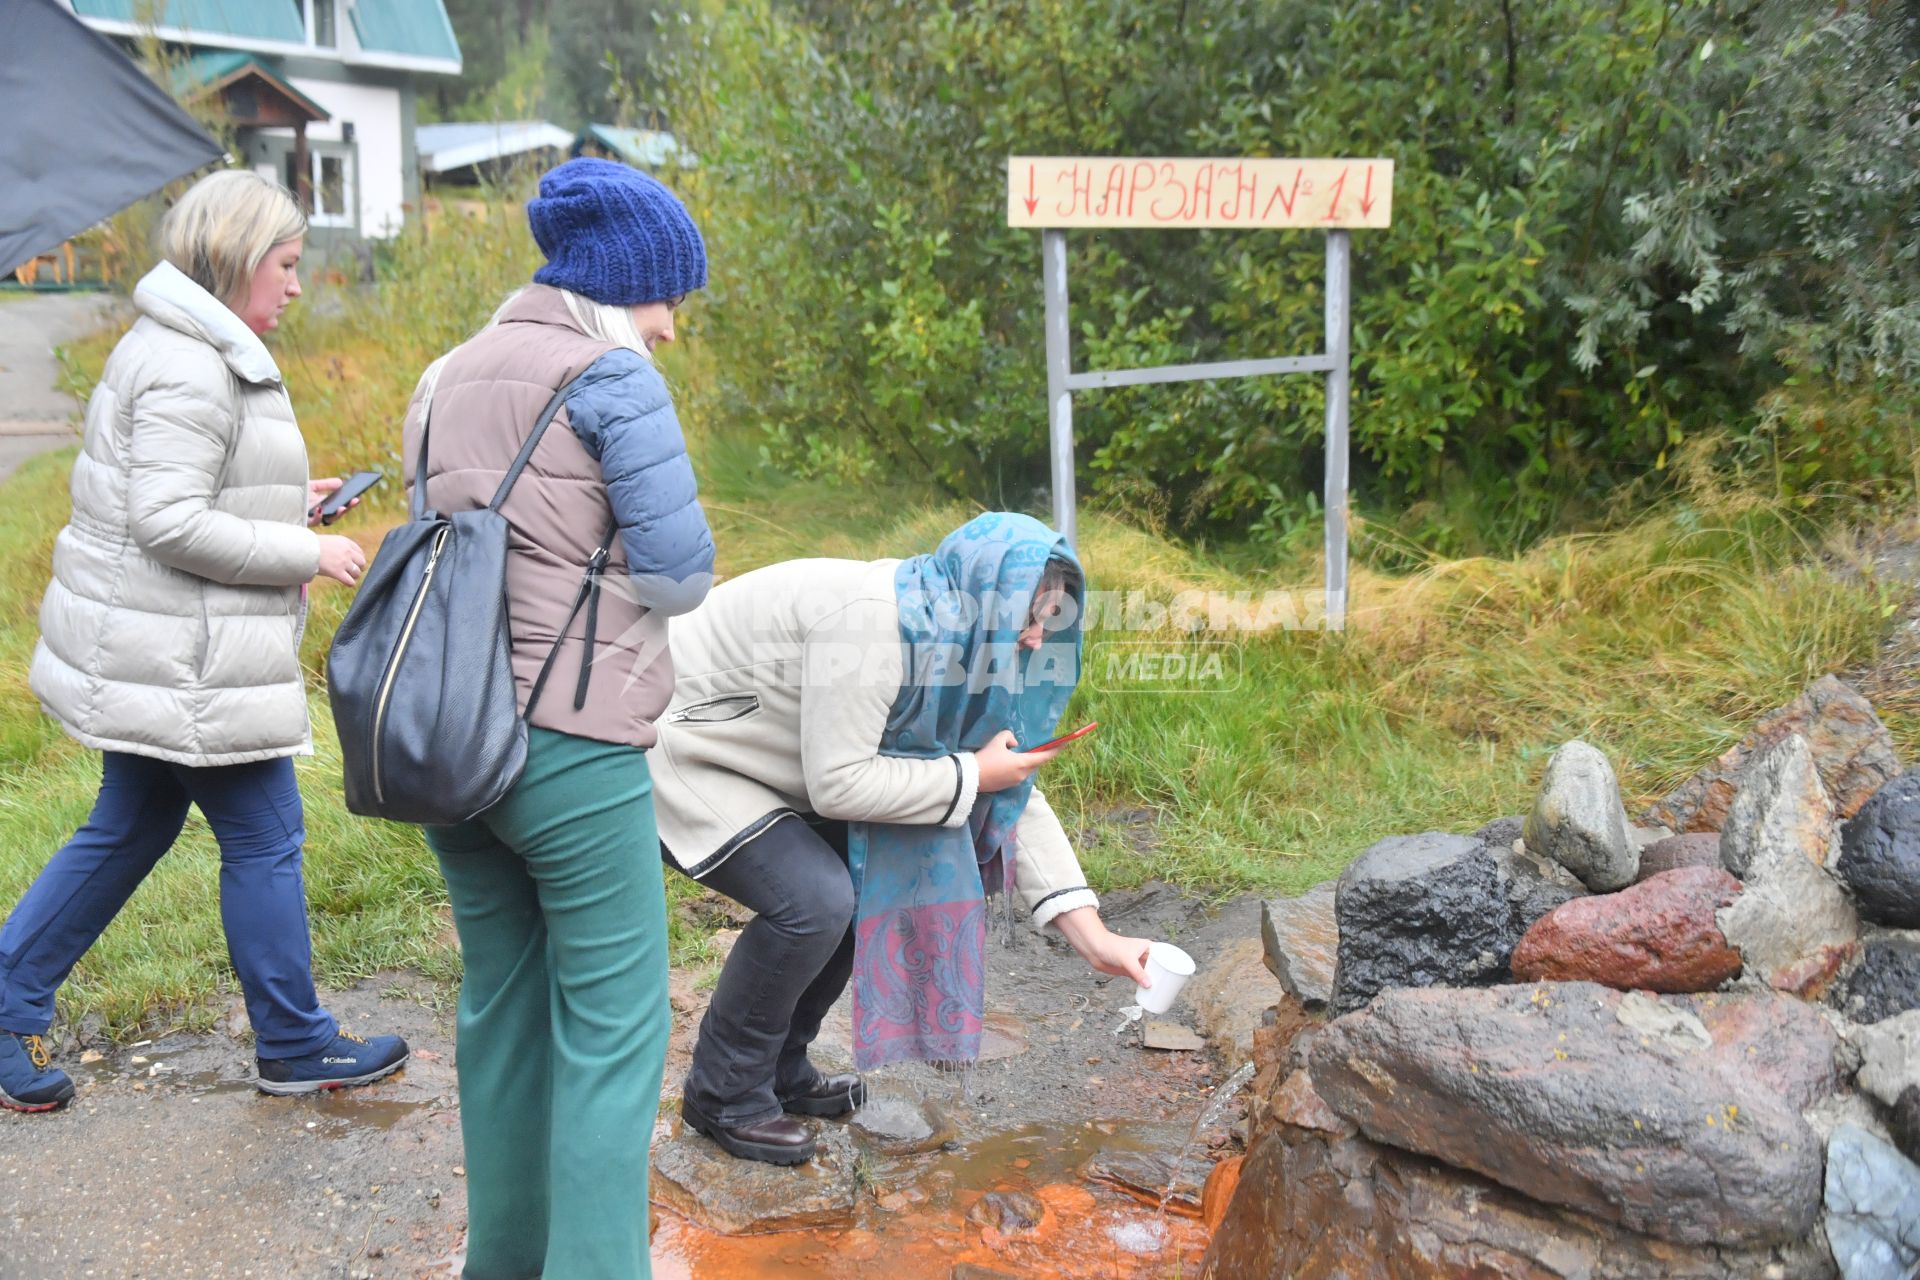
(1083, 1235)
(1013, 1205)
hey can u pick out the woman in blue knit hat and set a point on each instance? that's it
(556, 890)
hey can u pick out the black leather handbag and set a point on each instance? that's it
(420, 674)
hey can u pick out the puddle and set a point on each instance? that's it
(336, 1114)
(332, 1113)
(913, 1219)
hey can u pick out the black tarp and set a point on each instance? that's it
(83, 133)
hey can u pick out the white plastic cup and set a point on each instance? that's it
(1168, 967)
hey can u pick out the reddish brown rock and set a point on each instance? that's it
(1783, 1046)
(1218, 1193)
(1625, 1107)
(1278, 1050)
(1851, 748)
(1694, 849)
(1296, 1103)
(1659, 935)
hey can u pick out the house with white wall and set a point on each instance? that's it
(321, 93)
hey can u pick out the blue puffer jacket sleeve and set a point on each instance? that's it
(622, 413)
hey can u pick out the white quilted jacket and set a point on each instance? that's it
(172, 625)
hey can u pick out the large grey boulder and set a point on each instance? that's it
(1315, 1199)
(1678, 1118)
(1579, 822)
(1880, 854)
(1416, 911)
(1873, 1207)
(1300, 939)
(1852, 749)
(1793, 926)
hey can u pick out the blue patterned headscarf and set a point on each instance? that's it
(921, 920)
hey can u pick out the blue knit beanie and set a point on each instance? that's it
(615, 234)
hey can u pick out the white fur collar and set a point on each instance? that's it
(171, 297)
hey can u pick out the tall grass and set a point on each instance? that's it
(1659, 641)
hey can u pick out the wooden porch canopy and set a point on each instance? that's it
(254, 94)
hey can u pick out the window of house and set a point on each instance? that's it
(330, 183)
(323, 22)
(332, 179)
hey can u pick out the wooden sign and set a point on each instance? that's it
(1110, 191)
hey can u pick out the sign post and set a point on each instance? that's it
(1057, 193)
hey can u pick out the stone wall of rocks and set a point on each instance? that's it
(1567, 1044)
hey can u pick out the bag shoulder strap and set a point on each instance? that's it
(514, 469)
(588, 595)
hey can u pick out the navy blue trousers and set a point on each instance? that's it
(254, 810)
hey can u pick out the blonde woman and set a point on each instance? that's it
(556, 889)
(169, 642)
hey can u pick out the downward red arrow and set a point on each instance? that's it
(1032, 199)
(1366, 195)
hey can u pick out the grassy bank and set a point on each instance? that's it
(1659, 642)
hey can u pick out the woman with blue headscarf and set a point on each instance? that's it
(841, 757)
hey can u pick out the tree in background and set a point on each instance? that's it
(1616, 228)
(547, 59)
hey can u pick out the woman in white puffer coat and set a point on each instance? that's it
(169, 641)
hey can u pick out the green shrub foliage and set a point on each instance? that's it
(1617, 225)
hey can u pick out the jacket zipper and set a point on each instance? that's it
(399, 652)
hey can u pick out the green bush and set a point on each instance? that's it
(1615, 228)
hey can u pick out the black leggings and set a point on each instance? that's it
(788, 967)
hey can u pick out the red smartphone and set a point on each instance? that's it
(1065, 738)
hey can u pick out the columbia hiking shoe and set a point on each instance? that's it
(348, 1061)
(28, 1081)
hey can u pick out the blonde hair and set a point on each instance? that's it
(606, 322)
(221, 229)
(598, 320)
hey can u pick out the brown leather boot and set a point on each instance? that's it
(781, 1140)
(829, 1095)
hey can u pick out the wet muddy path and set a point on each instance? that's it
(1033, 1162)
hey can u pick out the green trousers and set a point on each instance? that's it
(563, 1022)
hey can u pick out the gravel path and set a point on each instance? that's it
(170, 1164)
(34, 414)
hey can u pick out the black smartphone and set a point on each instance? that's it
(336, 502)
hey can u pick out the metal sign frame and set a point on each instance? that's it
(1062, 382)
